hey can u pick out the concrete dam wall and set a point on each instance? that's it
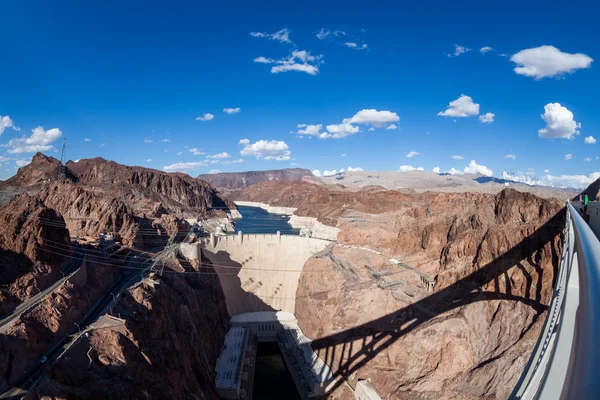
(257, 272)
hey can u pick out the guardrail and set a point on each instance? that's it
(565, 363)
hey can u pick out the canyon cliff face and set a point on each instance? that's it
(165, 349)
(238, 180)
(492, 261)
(30, 233)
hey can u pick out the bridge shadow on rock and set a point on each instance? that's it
(377, 335)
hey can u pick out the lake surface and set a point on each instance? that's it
(272, 380)
(257, 220)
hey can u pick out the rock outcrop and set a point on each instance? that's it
(30, 236)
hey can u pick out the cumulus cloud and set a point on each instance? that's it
(196, 152)
(590, 140)
(340, 131)
(148, 140)
(574, 181)
(436, 170)
(205, 117)
(231, 110)
(568, 156)
(411, 154)
(87, 140)
(184, 166)
(6, 122)
(343, 154)
(454, 171)
(282, 36)
(461, 107)
(458, 50)
(474, 168)
(244, 141)
(298, 60)
(373, 117)
(587, 159)
(548, 61)
(559, 122)
(307, 129)
(331, 173)
(356, 46)
(392, 126)
(22, 163)
(165, 140)
(487, 118)
(457, 157)
(511, 156)
(485, 49)
(149, 160)
(40, 140)
(236, 161)
(406, 168)
(220, 156)
(350, 169)
(214, 171)
(316, 172)
(269, 150)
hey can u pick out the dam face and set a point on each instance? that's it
(257, 272)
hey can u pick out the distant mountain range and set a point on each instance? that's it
(239, 180)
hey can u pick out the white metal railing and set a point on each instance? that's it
(565, 363)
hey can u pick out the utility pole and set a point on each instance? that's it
(61, 168)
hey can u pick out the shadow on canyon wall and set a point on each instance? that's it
(379, 334)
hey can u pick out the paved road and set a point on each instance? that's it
(32, 377)
(68, 271)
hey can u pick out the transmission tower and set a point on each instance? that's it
(61, 167)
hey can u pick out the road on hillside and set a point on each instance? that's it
(68, 271)
(128, 278)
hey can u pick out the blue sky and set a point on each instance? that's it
(122, 74)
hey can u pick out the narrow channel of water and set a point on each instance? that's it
(257, 220)
(272, 380)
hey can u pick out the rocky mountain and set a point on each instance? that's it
(41, 169)
(30, 234)
(238, 180)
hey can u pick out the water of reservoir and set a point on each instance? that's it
(257, 220)
(272, 380)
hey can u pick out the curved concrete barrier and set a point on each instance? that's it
(257, 272)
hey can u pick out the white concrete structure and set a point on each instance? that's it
(257, 272)
(265, 325)
(228, 367)
(309, 225)
(365, 391)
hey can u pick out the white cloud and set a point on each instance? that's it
(282, 36)
(487, 118)
(316, 172)
(268, 150)
(196, 152)
(165, 140)
(330, 173)
(411, 154)
(461, 107)
(263, 60)
(373, 117)
(6, 122)
(323, 34)
(575, 181)
(184, 166)
(458, 50)
(454, 171)
(40, 140)
(436, 170)
(311, 130)
(355, 46)
(244, 141)
(559, 122)
(148, 140)
(236, 161)
(22, 163)
(590, 140)
(205, 117)
(87, 140)
(350, 169)
(587, 159)
(179, 153)
(214, 171)
(406, 168)
(511, 156)
(568, 156)
(548, 61)
(485, 49)
(149, 160)
(232, 110)
(343, 154)
(546, 171)
(457, 157)
(220, 156)
(340, 131)
(521, 178)
(371, 129)
(474, 168)
(392, 126)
